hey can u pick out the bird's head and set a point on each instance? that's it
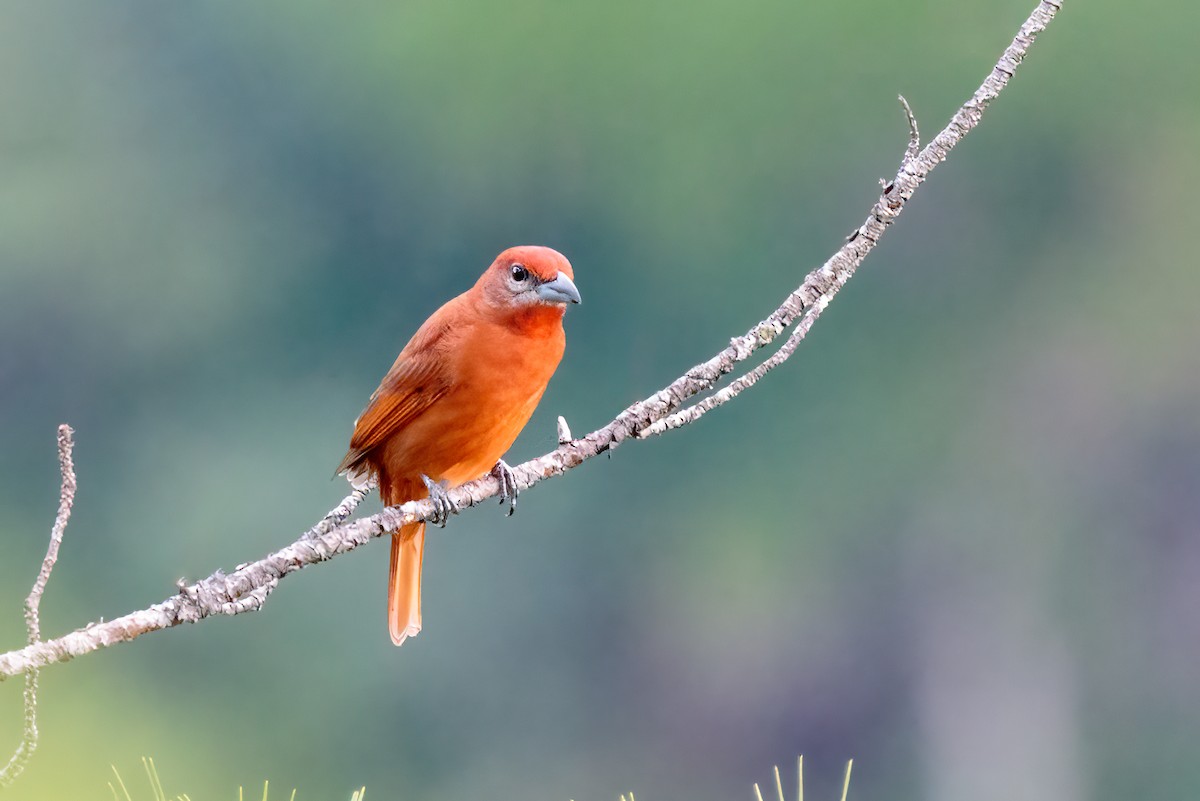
(529, 277)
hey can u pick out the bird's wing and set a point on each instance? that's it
(417, 379)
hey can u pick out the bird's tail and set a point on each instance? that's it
(404, 582)
(404, 577)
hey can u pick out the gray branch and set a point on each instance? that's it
(247, 587)
(66, 499)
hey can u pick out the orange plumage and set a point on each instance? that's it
(459, 393)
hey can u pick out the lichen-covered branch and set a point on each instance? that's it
(66, 499)
(247, 587)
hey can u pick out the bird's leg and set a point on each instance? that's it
(443, 507)
(508, 485)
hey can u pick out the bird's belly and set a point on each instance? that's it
(462, 435)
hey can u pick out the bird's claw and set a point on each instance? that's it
(443, 506)
(508, 485)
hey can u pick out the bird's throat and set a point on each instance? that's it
(536, 319)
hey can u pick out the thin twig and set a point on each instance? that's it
(914, 134)
(247, 587)
(66, 499)
(340, 513)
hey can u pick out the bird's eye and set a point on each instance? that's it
(519, 273)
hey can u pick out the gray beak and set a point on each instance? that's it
(560, 290)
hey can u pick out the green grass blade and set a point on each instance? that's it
(121, 782)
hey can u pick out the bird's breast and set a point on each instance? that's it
(497, 379)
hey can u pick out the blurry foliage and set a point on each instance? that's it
(957, 533)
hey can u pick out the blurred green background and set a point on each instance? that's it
(957, 537)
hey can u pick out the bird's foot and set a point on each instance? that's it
(508, 485)
(443, 507)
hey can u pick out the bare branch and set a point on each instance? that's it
(749, 379)
(66, 499)
(247, 587)
(822, 284)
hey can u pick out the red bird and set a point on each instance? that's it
(459, 393)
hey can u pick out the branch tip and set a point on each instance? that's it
(914, 135)
(564, 431)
